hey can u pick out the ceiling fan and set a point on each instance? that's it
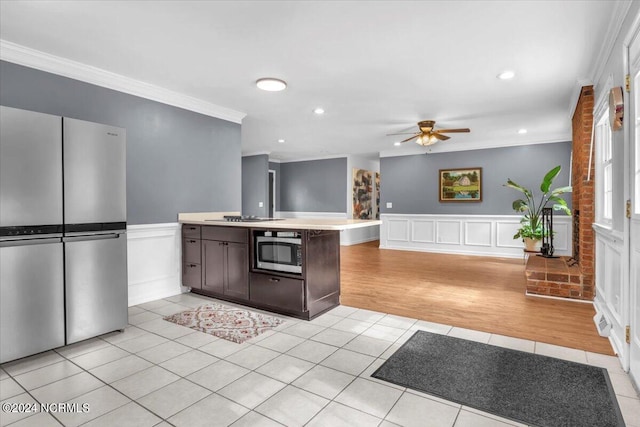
(428, 135)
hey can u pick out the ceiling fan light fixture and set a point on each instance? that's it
(397, 143)
(271, 84)
(281, 141)
(426, 140)
(522, 131)
(506, 75)
(318, 110)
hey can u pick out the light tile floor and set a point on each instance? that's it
(313, 373)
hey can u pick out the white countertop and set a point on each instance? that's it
(217, 218)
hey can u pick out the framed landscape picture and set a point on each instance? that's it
(461, 185)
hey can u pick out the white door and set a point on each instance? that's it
(634, 222)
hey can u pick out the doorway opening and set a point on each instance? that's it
(272, 193)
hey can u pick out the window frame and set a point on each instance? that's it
(603, 165)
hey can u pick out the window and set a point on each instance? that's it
(604, 170)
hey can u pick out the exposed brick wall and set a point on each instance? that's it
(554, 277)
(583, 196)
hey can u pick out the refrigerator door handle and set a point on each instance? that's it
(85, 237)
(25, 242)
(93, 233)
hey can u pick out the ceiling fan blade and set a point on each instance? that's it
(404, 133)
(409, 139)
(440, 137)
(465, 130)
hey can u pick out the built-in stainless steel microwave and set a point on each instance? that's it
(279, 252)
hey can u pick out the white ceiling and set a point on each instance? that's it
(376, 67)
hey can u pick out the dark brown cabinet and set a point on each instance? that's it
(237, 270)
(216, 263)
(279, 292)
(305, 295)
(191, 256)
(225, 254)
(213, 255)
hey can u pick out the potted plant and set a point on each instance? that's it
(531, 230)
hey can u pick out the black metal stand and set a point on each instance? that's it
(547, 235)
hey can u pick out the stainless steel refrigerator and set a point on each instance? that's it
(63, 253)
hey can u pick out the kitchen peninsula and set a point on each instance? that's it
(289, 266)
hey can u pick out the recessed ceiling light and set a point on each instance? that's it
(522, 131)
(319, 110)
(281, 141)
(270, 84)
(397, 144)
(506, 75)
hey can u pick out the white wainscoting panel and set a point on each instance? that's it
(609, 300)
(489, 235)
(562, 236)
(478, 233)
(505, 232)
(154, 254)
(449, 232)
(423, 231)
(397, 230)
(347, 237)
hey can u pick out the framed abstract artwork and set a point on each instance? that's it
(461, 185)
(362, 194)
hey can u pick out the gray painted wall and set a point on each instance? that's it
(255, 185)
(411, 182)
(177, 160)
(314, 186)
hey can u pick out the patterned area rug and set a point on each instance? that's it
(231, 323)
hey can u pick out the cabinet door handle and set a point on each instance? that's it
(274, 279)
(192, 241)
(192, 228)
(192, 265)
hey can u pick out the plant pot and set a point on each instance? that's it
(532, 245)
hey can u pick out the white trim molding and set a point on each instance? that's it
(154, 254)
(32, 58)
(484, 235)
(347, 237)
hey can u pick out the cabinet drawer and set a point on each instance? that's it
(191, 250)
(276, 291)
(190, 230)
(191, 275)
(226, 234)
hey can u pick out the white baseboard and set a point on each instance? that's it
(154, 254)
(483, 235)
(347, 237)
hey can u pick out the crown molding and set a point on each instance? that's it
(22, 55)
(606, 49)
(613, 31)
(309, 159)
(417, 150)
(256, 153)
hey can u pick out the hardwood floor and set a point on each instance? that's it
(481, 293)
